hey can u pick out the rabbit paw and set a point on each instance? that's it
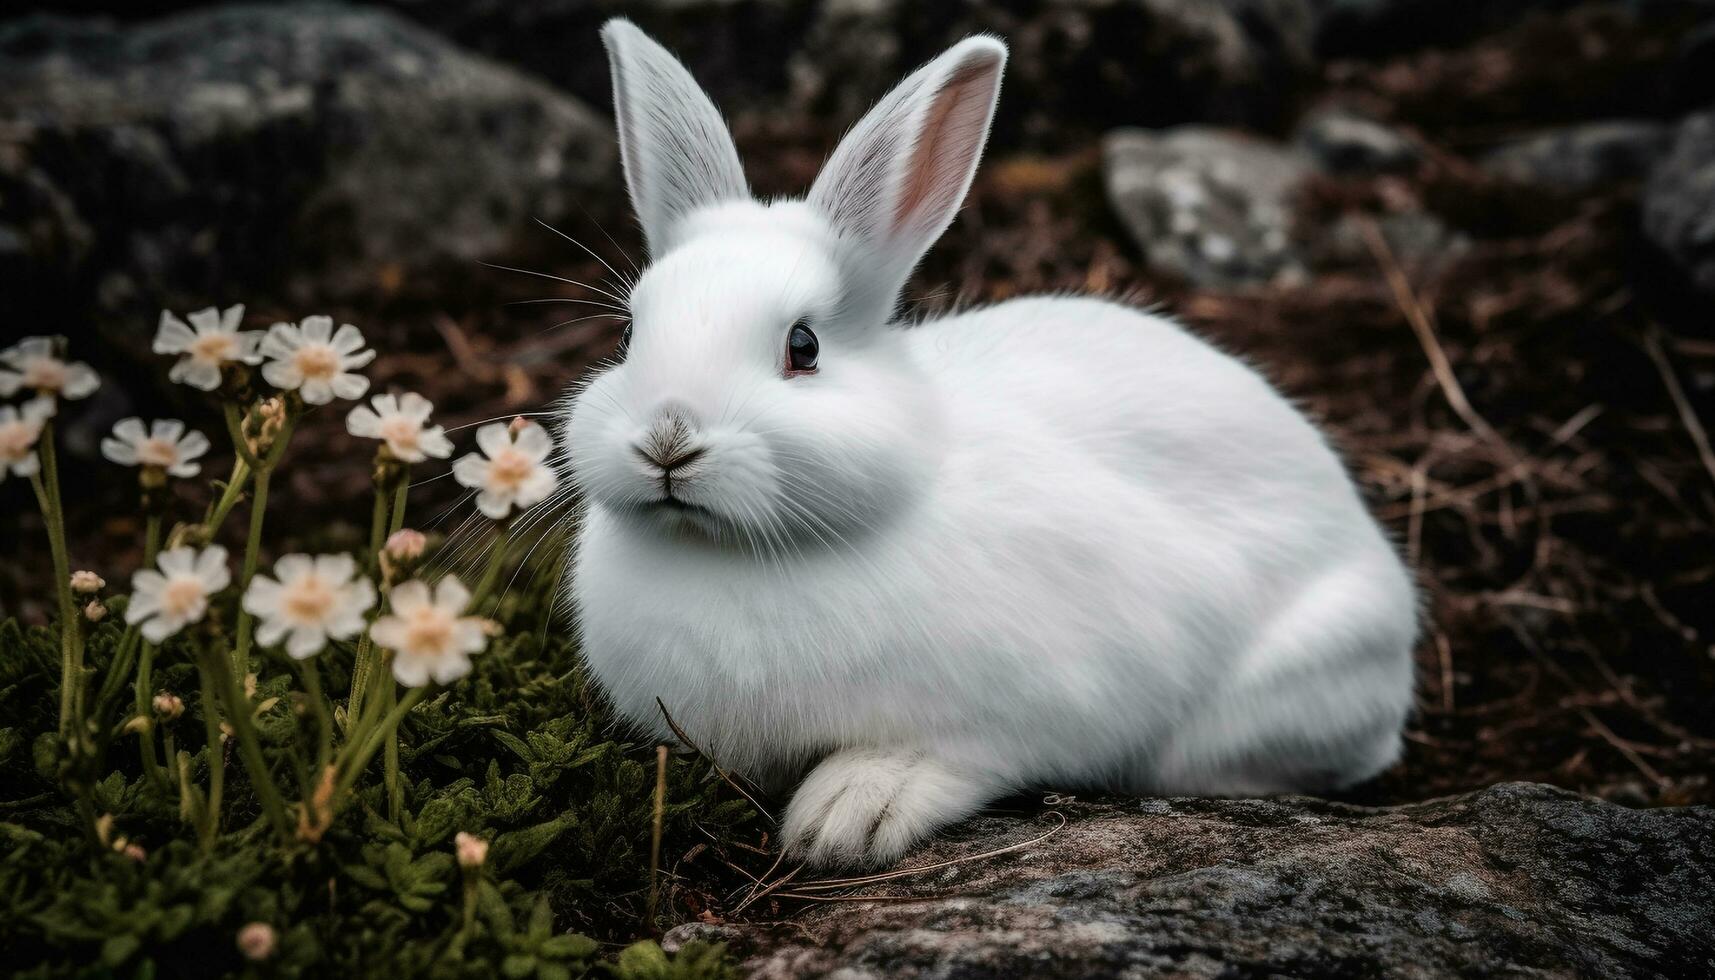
(868, 806)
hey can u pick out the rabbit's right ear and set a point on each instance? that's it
(895, 182)
(677, 152)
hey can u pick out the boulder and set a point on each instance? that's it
(243, 146)
(1515, 880)
(1582, 157)
(1679, 202)
(1212, 206)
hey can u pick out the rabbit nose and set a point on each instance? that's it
(670, 442)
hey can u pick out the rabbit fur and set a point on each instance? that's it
(1056, 541)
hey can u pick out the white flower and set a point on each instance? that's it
(30, 363)
(211, 339)
(164, 445)
(402, 423)
(311, 358)
(429, 636)
(168, 600)
(19, 432)
(313, 599)
(515, 473)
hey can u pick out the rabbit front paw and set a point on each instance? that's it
(869, 806)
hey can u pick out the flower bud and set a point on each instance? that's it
(168, 706)
(406, 545)
(95, 612)
(472, 850)
(134, 851)
(87, 582)
(256, 941)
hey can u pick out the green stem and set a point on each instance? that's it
(390, 761)
(249, 745)
(146, 738)
(229, 497)
(496, 558)
(46, 485)
(359, 760)
(210, 827)
(324, 717)
(151, 539)
(252, 548)
(364, 662)
(397, 520)
(377, 529)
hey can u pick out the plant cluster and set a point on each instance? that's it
(341, 762)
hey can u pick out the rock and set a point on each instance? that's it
(1418, 240)
(1343, 141)
(1679, 202)
(235, 146)
(1210, 205)
(1515, 880)
(1582, 157)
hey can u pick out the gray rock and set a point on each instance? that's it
(1418, 240)
(1343, 141)
(1516, 880)
(1679, 201)
(1210, 205)
(1582, 157)
(226, 147)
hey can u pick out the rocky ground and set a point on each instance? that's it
(1475, 239)
(1515, 880)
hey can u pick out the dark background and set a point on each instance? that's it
(1532, 183)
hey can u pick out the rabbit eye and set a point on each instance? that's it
(801, 349)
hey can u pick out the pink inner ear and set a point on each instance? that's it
(951, 138)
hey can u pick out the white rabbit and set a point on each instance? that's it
(1052, 542)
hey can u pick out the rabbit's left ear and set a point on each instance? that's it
(896, 181)
(677, 152)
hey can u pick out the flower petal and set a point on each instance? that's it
(347, 340)
(316, 329)
(172, 336)
(349, 385)
(451, 595)
(493, 438)
(493, 505)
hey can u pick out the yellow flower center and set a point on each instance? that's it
(317, 362)
(157, 452)
(429, 633)
(308, 600)
(509, 469)
(401, 432)
(181, 596)
(214, 348)
(45, 374)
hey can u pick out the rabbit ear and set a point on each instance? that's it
(895, 182)
(677, 152)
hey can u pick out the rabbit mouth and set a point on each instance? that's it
(677, 505)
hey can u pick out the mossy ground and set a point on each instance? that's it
(521, 753)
